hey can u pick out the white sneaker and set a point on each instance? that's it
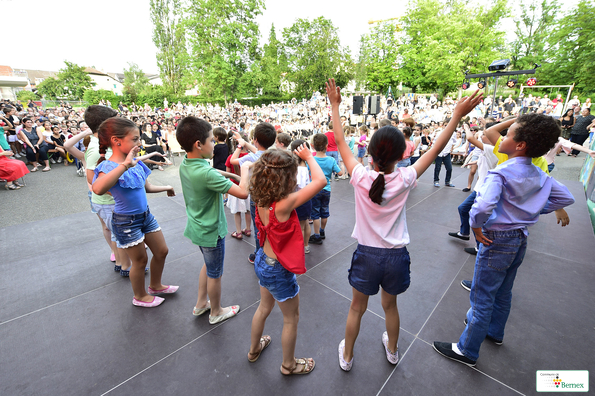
(59, 160)
(17, 155)
(306, 249)
(393, 358)
(345, 366)
(52, 160)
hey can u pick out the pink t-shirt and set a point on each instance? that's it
(362, 139)
(384, 225)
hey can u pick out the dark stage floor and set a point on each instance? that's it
(67, 325)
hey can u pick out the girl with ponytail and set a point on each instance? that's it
(125, 177)
(381, 258)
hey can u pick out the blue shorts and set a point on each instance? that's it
(373, 267)
(91, 202)
(105, 213)
(281, 283)
(304, 211)
(130, 230)
(320, 204)
(214, 257)
(361, 152)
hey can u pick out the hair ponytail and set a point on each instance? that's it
(377, 189)
(386, 147)
(102, 151)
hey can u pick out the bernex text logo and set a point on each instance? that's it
(562, 381)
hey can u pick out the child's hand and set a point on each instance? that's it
(238, 138)
(170, 191)
(333, 92)
(480, 237)
(303, 152)
(131, 159)
(466, 104)
(562, 217)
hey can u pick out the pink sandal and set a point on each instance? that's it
(247, 232)
(236, 235)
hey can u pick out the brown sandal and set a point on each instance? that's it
(306, 368)
(236, 235)
(267, 341)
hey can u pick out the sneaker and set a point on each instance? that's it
(449, 184)
(393, 358)
(471, 250)
(251, 258)
(466, 285)
(445, 349)
(306, 249)
(315, 239)
(459, 235)
(17, 155)
(345, 366)
(59, 160)
(489, 337)
(322, 234)
(436, 184)
(52, 160)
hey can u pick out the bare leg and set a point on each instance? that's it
(316, 226)
(138, 256)
(248, 220)
(107, 234)
(214, 292)
(156, 243)
(267, 303)
(291, 317)
(391, 311)
(472, 170)
(358, 307)
(323, 225)
(238, 219)
(201, 302)
(305, 231)
(122, 258)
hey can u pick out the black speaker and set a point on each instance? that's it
(358, 104)
(374, 106)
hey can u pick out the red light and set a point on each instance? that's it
(532, 81)
(465, 85)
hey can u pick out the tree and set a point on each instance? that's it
(571, 55)
(25, 96)
(378, 57)
(223, 36)
(135, 81)
(51, 88)
(442, 41)
(273, 65)
(315, 54)
(169, 37)
(74, 81)
(533, 28)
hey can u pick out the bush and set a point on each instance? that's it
(94, 97)
(25, 96)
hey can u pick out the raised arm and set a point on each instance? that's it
(105, 181)
(493, 133)
(69, 144)
(334, 95)
(464, 106)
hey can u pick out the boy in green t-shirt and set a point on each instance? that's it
(203, 187)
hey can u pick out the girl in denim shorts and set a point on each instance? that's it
(381, 258)
(273, 189)
(125, 177)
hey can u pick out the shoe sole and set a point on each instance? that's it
(465, 287)
(451, 358)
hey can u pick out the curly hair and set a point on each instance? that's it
(539, 131)
(274, 177)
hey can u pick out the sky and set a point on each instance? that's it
(110, 33)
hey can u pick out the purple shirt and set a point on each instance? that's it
(514, 194)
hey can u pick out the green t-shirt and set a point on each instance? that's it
(91, 158)
(3, 143)
(203, 187)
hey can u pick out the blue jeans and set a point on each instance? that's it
(491, 290)
(464, 210)
(447, 164)
(551, 167)
(404, 163)
(253, 215)
(335, 155)
(320, 205)
(214, 258)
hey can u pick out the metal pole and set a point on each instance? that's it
(494, 100)
(565, 109)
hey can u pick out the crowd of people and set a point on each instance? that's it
(274, 166)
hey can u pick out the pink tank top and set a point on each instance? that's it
(286, 240)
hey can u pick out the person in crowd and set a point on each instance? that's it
(11, 169)
(35, 145)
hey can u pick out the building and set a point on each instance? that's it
(105, 81)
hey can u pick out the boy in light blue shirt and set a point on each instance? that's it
(320, 202)
(511, 199)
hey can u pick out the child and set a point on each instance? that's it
(283, 141)
(238, 206)
(381, 258)
(320, 203)
(206, 227)
(264, 137)
(304, 211)
(362, 143)
(512, 197)
(220, 151)
(132, 222)
(272, 188)
(409, 149)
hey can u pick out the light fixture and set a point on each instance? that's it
(481, 84)
(531, 81)
(511, 83)
(466, 85)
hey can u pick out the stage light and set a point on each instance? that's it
(532, 81)
(481, 84)
(466, 85)
(511, 83)
(499, 65)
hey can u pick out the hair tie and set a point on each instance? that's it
(102, 155)
(381, 173)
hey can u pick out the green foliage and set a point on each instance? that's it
(94, 97)
(571, 54)
(443, 40)
(533, 28)
(74, 81)
(24, 96)
(223, 36)
(169, 36)
(51, 88)
(135, 82)
(378, 58)
(315, 54)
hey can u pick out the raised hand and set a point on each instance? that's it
(466, 104)
(131, 159)
(303, 152)
(333, 92)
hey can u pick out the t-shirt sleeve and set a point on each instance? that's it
(228, 162)
(216, 182)
(335, 166)
(357, 173)
(250, 157)
(91, 157)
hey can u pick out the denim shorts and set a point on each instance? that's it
(320, 204)
(93, 210)
(105, 212)
(281, 283)
(304, 211)
(130, 230)
(214, 257)
(373, 267)
(361, 152)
